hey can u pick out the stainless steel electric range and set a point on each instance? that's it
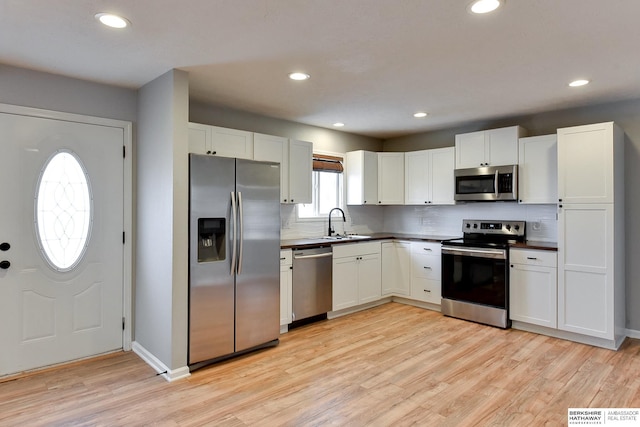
(475, 271)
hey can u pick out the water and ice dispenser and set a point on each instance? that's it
(211, 239)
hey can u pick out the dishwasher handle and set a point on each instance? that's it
(323, 255)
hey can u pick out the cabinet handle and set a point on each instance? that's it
(291, 200)
(282, 258)
(428, 249)
(531, 257)
(427, 267)
(427, 290)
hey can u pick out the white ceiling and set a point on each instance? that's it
(373, 63)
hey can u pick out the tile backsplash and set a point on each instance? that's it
(433, 220)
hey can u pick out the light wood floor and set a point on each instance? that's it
(391, 365)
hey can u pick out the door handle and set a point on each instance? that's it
(234, 215)
(5, 264)
(241, 220)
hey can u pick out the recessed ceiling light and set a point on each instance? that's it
(577, 83)
(111, 20)
(299, 76)
(338, 124)
(485, 6)
(420, 114)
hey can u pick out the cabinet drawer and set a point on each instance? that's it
(285, 257)
(425, 266)
(356, 249)
(426, 290)
(533, 257)
(431, 248)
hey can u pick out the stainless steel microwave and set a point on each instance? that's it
(487, 184)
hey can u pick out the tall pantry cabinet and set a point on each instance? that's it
(591, 282)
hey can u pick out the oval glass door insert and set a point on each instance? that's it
(63, 210)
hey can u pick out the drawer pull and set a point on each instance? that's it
(426, 267)
(427, 290)
(532, 257)
(428, 249)
(282, 258)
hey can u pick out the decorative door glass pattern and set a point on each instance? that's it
(63, 210)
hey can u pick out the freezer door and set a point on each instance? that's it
(211, 284)
(258, 278)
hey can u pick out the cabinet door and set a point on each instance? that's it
(285, 295)
(300, 170)
(442, 176)
(345, 283)
(396, 268)
(502, 146)
(585, 269)
(533, 295)
(417, 178)
(231, 143)
(199, 138)
(369, 285)
(361, 172)
(538, 170)
(270, 148)
(391, 178)
(470, 152)
(585, 164)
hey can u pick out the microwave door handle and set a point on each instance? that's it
(495, 184)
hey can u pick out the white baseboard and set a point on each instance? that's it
(631, 333)
(151, 360)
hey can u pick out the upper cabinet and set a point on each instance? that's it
(429, 177)
(391, 178)
(300, 171)
(223, 142)
(538, 170)
(494, 147)
(586, 169)
(361, 172)
(296, 160)
(295, 157)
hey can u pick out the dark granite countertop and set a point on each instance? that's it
(316, 242)
(535, 244)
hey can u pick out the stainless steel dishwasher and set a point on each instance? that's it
(312, 282)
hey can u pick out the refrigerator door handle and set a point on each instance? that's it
(241, 235)
(234, 217)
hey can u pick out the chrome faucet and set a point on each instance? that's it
(344, 218)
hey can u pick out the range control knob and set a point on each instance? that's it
(468, 225)
(508, 227)
(475, 225)
(517, 227)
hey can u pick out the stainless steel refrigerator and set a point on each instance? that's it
(234, 257)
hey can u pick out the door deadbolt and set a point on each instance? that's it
(4, 246)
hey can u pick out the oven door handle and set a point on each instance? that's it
(480, 253)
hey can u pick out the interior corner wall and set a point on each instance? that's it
(323, 139)
(36, 89)
(161, 282)
(625, 113)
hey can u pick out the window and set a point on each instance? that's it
(63, 210)
(327, 187)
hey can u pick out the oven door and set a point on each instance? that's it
(475, 275)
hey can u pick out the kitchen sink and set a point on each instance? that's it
(347, 237)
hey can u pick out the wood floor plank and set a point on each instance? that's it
(390, 365)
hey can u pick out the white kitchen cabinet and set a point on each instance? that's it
(356, 274)
(429, 177)
(285, 287)
(591, 280)
(426, 272)
(300, 171)
(494, 147)
(218, 141)
(586, 165)
(533, 287)
(538, 170)
(396, 268)
(295, 181)
(391, 178)
(361, 172)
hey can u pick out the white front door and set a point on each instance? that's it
(61, 241)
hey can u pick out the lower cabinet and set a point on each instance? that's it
(356, 274)
(533, 286)
(285, 286)
(425, 272)
(396, 268)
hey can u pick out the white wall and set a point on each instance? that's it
(161, 279)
